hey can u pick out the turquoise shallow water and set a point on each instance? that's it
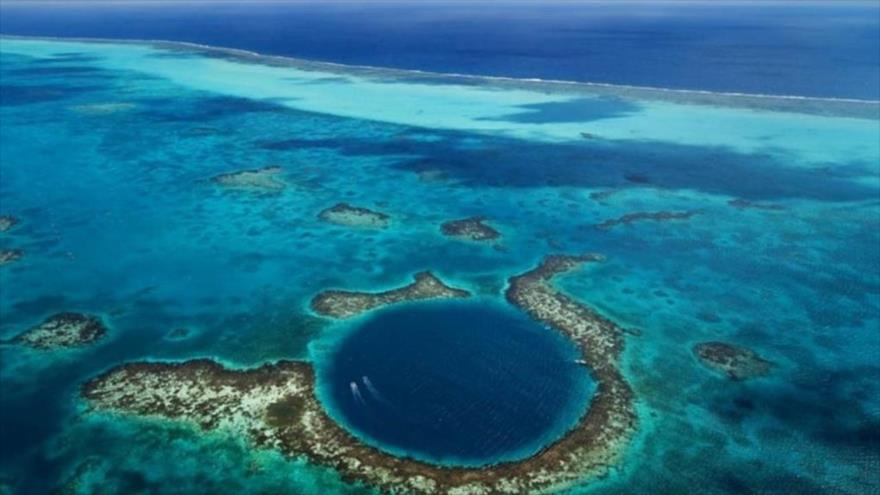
(106, 151)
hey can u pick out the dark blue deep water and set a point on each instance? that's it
(465, 383)
(827, 49)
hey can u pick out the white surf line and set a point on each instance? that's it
(562, 82)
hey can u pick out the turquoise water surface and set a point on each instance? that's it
(106, 156)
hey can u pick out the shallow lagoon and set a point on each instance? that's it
(107, 160)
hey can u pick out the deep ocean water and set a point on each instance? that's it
(806, 48)
(106, 156)
(456, 383)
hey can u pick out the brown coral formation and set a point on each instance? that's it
(471, 228)
(7, 256)
(276, 407)
(7, 222)
(63, 330)
(657, 216)
(345, 304)
(354, 216)
(738, 363)
(264, 179)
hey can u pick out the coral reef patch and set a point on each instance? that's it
(354, 216)
(7, 222)
(657, 216)
(472, 228)
(264, 179)
(738, 363)
(63, 330)
(600, 196)
(745, 203)
(7, 256)
(345, 304)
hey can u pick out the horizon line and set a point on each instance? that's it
(418, 2)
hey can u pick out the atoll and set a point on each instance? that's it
(738, 363)
(658, 216)
(9, 255)
(276, 407)
(345, 304)
(261, 179)
(354, 216)
(63, 330)
(599, 439)
(7, 222)
(471, 228)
